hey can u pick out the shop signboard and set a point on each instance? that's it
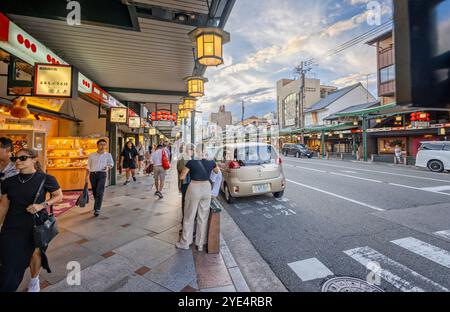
(84, 84)
(24, 46)
(152, 131)
(54, 81)
(119, 115)
(134, 122)
(98, 94)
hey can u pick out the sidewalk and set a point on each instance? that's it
(131, 247)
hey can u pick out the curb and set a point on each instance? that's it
(240, 284)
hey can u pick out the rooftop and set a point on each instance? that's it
(332, 97)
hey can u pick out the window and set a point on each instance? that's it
(290, 105)
(387, 74)
(447, 147)
(431, 147)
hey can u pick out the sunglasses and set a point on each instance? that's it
(21, 158)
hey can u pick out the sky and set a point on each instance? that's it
(270, 37)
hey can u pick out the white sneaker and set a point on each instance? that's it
(34, 285)
(181, 246)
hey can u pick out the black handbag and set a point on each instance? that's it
(45, 228)
(83, 200)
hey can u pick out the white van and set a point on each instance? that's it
(434, 156)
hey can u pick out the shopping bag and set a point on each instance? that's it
(165, 161)
(83, 200)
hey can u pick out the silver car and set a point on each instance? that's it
(250, 169)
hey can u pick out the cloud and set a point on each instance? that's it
(269, 37)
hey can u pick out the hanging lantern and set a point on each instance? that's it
(152, 131)
(196, 86)
(398, 118)
(378, 120)
(189, 104)
(209, 42)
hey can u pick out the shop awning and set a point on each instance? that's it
(286, 131)
(343, 126)
(367, 111)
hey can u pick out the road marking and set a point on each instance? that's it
(437, 189)
(418, 188)
(444, 234)
(358, 178)
(349, 171)
(376, 171)
(310, 269)
(338, 196)
(311, 169)
(366, 255)
(433, 253)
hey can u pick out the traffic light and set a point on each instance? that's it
(422, 49)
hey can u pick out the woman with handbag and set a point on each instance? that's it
(23, 210)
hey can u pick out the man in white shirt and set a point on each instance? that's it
(99, 163)
(159, 173)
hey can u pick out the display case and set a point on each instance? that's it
(28, 139)
(67, 160)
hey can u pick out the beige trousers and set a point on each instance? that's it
(197, 202)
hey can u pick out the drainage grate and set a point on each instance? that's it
(349, 284)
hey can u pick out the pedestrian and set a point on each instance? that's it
(7, 167)
(159, 173)
(186, 153)
(397, 154)
(169, 148)
(198, 199)
(99, 163)
(360, 152)
(20, 204)
(141, 157)
(129, 159)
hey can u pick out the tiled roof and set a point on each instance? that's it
(332, 97)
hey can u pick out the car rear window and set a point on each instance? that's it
(431, 147)
(255, 155)
(447, 147)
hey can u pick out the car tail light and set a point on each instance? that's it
(234, 165)
(236, 189)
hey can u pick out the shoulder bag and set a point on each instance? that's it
(44, 230)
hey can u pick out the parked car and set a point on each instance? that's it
(297, 150)
(250, 169)
(434, 156)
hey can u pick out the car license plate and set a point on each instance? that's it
(261, 188)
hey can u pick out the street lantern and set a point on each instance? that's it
(378, 120)
(196, 86)
(152, 131)
(189, 104)
(209, 43)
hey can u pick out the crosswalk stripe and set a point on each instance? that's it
(425, 250)
(366, 255)
(310, 269)
(444, 234)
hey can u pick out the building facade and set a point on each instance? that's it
(222, 118)
(288, 99)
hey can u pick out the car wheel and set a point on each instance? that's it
(298, 155)
(278, 194)
(228, 196)
(436, 166)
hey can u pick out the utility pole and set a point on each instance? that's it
(302, 70)
(243, 112)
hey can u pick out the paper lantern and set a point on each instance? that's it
(209, 43)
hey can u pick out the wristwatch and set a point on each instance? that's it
(46, 205)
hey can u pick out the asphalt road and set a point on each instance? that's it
(345, 219)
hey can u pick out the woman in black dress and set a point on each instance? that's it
(17, 216)
(129, 161)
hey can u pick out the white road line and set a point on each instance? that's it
(349, 171)
(358, 178)
(437, 188)
(374, 171)
(444, 234)
(366, 255)
(310, 269)
(433, 253)
(418, 188)
(338, 196)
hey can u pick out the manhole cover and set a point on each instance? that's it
(349, 284)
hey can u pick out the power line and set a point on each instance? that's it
(358, 39)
